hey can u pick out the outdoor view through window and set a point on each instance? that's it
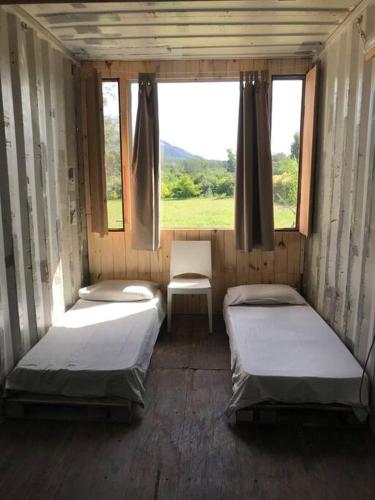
(112, 153)
(198, 135)
(285, 138)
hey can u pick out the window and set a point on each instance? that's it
(112, 154)
(198, 140)
(198, 136)
(287, 95)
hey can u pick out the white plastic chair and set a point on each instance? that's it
(190, 257)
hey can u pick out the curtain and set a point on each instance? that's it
(95, 150)
(145, 190)
(254, 203)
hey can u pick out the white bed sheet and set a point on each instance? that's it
(98, 349)
(288, 354)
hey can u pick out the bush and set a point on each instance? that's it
(224, 187)
(184, 187)
(285, 185)
(166, 190)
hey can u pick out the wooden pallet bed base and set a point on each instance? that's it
(40, 406)
(306, 414)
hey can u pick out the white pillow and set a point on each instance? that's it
(263, 295)
(120, 291)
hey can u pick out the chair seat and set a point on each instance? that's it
(189, 284)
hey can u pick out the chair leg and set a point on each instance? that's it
(169, 310)
(209, 307)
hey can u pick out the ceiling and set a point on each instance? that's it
(208, 29)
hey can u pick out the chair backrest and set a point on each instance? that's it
(191, 257)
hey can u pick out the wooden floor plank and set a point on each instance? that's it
(181, 446)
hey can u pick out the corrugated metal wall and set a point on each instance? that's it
(339, 271)
(42, 242)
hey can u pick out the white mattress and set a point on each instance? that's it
(288, 354)
(99, 349)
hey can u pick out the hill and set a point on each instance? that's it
(174, 153)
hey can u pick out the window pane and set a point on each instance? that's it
(285, 138)
(112, 144)
(198, 135)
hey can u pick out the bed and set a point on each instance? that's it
(100, 350)
(284, 353)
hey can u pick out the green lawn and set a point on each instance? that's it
(198, 213)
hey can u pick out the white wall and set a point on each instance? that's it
(339, 272)
(42, 234)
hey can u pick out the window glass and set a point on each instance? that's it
(285, 143)
(198, 135)
(112, 148)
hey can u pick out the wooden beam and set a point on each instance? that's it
(222, 52)
(199, 4)
(195, 41)
(209, 16)
(150, 31)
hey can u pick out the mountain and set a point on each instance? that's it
(173, 153)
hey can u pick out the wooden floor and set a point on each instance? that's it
(181, 446)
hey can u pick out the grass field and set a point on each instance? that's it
(199, 213)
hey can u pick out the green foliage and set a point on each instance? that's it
(192, 177)
(285, 184)
(112, 146)
(166, 191)
(224, 187)
(294, 148)
(114, 187)
(184, 187)
(231, 162)
(279, 163)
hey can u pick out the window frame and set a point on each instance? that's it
(291, 76)
(122, 169)
(125, 83)
(303, 79)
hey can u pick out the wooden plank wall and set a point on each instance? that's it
(339, 271)
(113, 257)
(43, 246)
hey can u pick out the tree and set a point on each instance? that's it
(231, 161)
(294, 148)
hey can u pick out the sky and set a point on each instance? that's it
(202, 117)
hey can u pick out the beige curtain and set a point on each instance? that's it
(95, 150)
(145, 190)
(254, 205)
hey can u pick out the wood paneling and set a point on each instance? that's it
(112, 255)
(340, 254)
(202, 69)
